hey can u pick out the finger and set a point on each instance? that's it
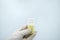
(24, 39)
(24, 27)
(32, 36)
(25, 32)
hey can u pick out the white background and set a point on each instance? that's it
(46, 14)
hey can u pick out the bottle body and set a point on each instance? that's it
(31, 27)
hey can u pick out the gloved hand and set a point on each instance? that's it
(20, 34)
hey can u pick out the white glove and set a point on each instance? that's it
(20, 33)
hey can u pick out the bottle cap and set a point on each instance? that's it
(30, 21)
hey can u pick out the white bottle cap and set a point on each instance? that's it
(30, 21)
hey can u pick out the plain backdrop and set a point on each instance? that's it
(46, 14)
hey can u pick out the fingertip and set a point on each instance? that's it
(25, 32)
(22, 28)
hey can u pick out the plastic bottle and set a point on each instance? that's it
(31, 25)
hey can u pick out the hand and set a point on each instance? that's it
(22, 34)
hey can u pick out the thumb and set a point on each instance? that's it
(32, 36)
(25, 32)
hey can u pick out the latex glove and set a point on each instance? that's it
(20, 33)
